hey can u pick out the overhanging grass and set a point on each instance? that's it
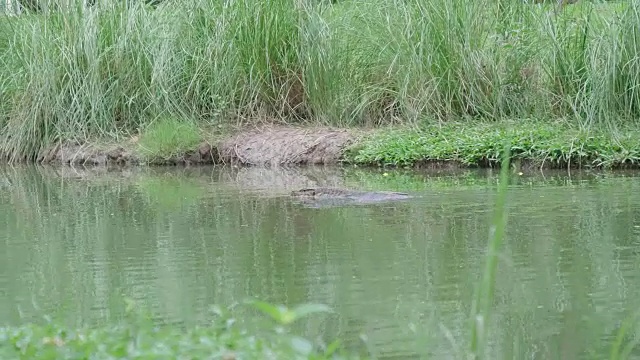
(108, 70)
(480, 144)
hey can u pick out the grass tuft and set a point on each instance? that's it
(169, 137)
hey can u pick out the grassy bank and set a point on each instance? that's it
(541, 144)
(453, 144)
(111, 71)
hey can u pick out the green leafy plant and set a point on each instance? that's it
(286, 316)
(138, 338)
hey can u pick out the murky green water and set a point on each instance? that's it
(75, 244)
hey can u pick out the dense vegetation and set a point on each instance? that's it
(111, 69)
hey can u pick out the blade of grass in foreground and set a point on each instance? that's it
(617, 351)
(484, 294)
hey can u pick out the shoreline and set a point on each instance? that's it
(455, 145)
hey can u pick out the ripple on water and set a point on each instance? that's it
(403, 274)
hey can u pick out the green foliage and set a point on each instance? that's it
(138, 338)
(286, 316)
(267, 41)
(477, 144)
(169, 137)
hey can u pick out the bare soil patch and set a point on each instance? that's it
(286, 146)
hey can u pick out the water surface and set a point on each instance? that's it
(75, 244)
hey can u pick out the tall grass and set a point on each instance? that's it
(76, 72)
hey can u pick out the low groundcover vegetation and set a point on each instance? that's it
(138, 338)
(480, 144)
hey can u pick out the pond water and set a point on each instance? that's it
(400, 276)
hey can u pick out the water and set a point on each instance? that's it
(76, 244)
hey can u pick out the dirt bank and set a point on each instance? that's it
(271, 146)
(286, 146)
(447, 146)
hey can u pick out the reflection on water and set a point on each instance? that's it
(75, 244)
